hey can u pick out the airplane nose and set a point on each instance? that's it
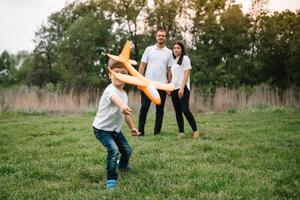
(153, 91)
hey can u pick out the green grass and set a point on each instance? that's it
(249, 155)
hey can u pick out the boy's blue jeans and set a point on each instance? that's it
(115, 144)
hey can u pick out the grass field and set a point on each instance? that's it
(248, 155)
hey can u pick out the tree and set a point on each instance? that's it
(82, 52)
(164, 15)
(7, 69)
(70, 47)
(206, 54)
(234, 45)
(278, 48)
(125, 14)
(257, 10)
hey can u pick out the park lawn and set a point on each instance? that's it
(247, 155)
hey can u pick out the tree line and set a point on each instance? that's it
(227, 47)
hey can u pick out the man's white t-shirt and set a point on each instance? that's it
(109, 116)
(158, 60)
(178, 72)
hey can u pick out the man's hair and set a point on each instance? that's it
(162, 30)
(112, 64)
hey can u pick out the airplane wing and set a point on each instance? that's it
(163, 86)
(133, 62)
(128, 79)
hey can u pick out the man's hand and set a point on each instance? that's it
(180, 93)
(134, 132)
(126, 110)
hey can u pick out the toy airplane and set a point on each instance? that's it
(147, 86)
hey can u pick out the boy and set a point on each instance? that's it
(112, 112)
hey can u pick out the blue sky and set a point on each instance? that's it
(19, 19)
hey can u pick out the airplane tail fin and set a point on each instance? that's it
(126, 50)
(126, 53)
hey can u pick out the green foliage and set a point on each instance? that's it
(278, 48)
(7, 69)
(232, 110)
(82, 51)
(239, 156)
(71, 48)
(163, 16)
(227, 47)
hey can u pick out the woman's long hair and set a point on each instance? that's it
(182, 52)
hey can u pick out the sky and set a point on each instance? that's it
(20, 19)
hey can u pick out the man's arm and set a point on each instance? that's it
(142, 68)
(169, 75)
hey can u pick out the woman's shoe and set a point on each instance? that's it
(196, 134)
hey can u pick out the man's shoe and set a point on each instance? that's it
(111, 184)
(181, 135)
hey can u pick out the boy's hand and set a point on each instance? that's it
(134, 132)
(126, 110)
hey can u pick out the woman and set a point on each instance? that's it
(180, 71)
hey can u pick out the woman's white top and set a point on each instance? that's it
(178, 72)
(109, 116)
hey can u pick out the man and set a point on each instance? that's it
(155, 65)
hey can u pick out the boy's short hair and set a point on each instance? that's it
(112, 64)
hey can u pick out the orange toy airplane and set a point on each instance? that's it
(147, 86)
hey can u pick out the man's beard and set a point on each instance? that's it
(161, 42)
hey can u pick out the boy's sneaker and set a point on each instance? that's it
(111, 184)
(127, 168)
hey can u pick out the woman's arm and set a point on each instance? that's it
(183, 83)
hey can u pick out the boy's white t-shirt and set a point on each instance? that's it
(109, 116)
(178, 72)
(158, 60)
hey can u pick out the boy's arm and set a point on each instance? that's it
(127, 112)
(129, 121)
(118, 101)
